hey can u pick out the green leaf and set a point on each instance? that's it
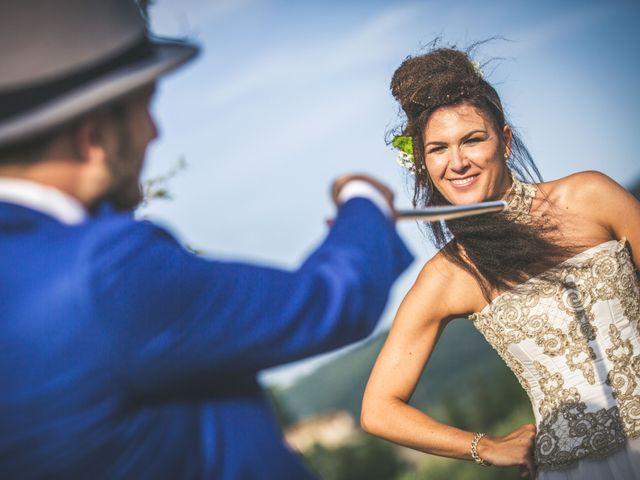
(403, 143)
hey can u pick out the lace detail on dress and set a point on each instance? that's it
(623, 378)
(592, 434)
(519, 200)
(572, 338)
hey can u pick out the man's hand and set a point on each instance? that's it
(342, 181)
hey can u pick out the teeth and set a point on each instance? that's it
(463, 181)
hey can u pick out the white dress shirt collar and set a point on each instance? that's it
(48, 200)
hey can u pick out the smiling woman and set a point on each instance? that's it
(465, 151)
(551, 283)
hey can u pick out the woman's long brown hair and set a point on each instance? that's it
(494, 249)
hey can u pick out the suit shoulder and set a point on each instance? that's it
(114, 237)
(112, 226)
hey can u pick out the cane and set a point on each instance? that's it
(449, 212)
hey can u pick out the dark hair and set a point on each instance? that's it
(31, 150)
(494, 249)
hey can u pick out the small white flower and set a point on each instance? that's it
(406, 161)
(478, 68)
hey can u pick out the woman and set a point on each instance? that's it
(551, 284)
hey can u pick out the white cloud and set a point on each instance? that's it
(316, 123)
(541, 34)
(187, 18)
(365, 46)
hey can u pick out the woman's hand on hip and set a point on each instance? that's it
(515, 448)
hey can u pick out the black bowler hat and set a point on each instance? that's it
(62, 58)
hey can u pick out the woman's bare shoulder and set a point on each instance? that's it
(583, 202)
(574, 190)
(456, 291)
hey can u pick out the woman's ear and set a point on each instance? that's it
(507, 136)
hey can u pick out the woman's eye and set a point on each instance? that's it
(436, 150)
(474, 140)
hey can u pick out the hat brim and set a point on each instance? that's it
(166, 56)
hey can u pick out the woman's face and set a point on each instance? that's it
(465, 155)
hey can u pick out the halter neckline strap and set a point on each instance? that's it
(519, 200)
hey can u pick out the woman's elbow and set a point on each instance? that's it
(372, 418)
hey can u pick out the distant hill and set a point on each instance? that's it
(462, 359)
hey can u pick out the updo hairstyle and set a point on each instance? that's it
(496, 251)
(444, 77)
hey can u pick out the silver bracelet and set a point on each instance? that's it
(474, 449)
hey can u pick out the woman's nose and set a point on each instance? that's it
(458, 162)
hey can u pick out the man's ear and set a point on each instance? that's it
(89, 139)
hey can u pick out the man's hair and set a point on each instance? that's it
(32, 150)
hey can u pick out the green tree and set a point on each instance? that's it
(369, 458)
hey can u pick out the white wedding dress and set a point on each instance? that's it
(572, 338)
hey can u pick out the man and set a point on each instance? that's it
(124, 355)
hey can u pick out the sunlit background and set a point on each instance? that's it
(287, 95)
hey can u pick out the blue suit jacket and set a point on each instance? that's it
(125, 356)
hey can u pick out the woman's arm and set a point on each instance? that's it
(439, 295)
(614, 208)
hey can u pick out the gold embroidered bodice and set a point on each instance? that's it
(572, 338)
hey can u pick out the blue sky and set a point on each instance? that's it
(287, 95)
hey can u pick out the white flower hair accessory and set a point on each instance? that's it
(478, 68)
(404, 145)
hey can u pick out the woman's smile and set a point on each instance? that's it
(463, 182)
